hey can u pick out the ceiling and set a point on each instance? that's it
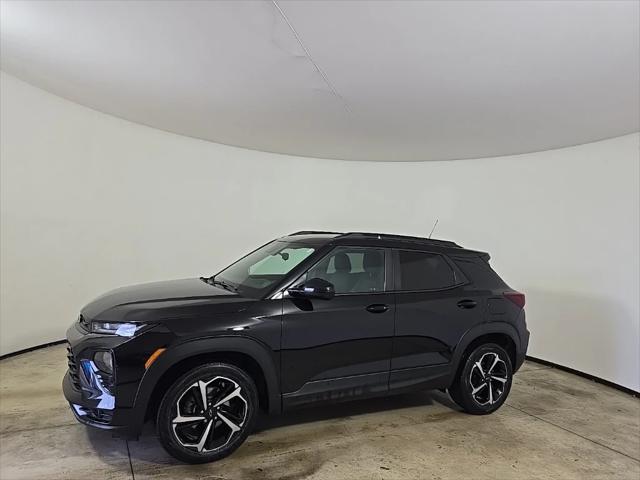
(360, 80)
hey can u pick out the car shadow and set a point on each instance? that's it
(148, 449)
(353, 408)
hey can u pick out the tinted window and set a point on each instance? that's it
(281, 263)
(424, 271)
(254, 274)
(351, 270)
(480, 272)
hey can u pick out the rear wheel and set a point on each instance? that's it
(207, 413)
(484, 381)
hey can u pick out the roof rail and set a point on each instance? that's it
(403, 238)
(382, 236)
(313, 232)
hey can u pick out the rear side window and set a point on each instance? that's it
(480, 272)
(424, 271)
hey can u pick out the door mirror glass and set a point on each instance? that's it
(314, 288)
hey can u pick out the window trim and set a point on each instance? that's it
(457, 273)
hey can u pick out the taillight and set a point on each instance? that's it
(515, 297)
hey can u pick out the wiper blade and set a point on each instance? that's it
(226, 286)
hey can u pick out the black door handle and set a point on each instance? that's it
(467, 303)
(377, 308)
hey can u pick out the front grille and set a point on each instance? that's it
(99, 415)
(96, 415)
(73, 368)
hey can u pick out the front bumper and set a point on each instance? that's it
(91, 398)
(86, 412)
(121, 408)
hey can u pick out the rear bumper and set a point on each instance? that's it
(523, 335)
(522, 353)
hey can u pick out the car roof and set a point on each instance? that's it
(317, 238)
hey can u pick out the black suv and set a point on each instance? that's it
(307, 318)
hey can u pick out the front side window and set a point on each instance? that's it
(351, 270)
(256, 273)
(424, 271)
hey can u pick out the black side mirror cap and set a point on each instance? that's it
(314, 288)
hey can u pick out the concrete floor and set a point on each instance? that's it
(554, 425)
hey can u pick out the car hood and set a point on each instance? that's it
(162, 301)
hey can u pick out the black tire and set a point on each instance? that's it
(492, 395)
(220, 381)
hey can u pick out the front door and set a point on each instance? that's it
(339, 348)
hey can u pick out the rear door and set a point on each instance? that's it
(340, 348)
(435, 305)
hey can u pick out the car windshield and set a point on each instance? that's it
(256, 273)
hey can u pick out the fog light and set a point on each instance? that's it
(104, 361)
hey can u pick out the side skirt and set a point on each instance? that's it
(430, 377)
(335, 390)
(338, 390)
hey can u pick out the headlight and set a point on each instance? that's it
(116, 328)
(104, 361)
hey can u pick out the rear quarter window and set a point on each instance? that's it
(479, 272)
(424, 271)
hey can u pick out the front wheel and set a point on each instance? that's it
(207, 413)
(484, 381)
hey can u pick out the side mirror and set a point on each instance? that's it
(314, 288)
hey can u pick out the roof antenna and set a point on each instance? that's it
(434, 227)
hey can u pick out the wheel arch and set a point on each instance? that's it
(244, 352)
(500, 333)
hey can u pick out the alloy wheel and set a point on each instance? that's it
(208, 414)
(488, 379)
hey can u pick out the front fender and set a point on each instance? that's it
(174, 354)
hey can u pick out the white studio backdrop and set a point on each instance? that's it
(91, 202)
